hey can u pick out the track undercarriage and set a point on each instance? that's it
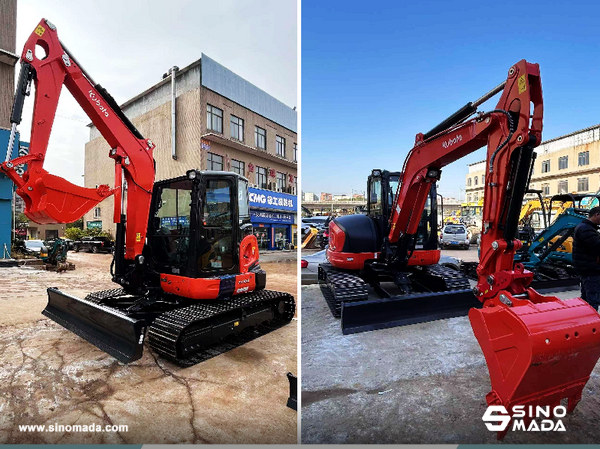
(546, 276)
(431, 293)
(177, 328)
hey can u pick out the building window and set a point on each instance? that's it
(482, 180)
(563, 162)
(260, 138)
(238, 167)
(214, 162)
(214, 118)
(563, 187)
(295, 152)
(546, 189)
(582, 184)
(475, 180)
(280, 145)
(97, 212)
(546, 166)
(237, 128)
(295, 186)
(583, 158)
(261, 177)
(475, 197)
(281, 185)
(469, 182)
(468, 198)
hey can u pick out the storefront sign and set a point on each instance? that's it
(266, 199)
(94, 224)
(259, 216)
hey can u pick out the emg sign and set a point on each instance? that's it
(266, 199)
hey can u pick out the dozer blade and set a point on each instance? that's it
(539, 351)
(362, 316)
(106, 328)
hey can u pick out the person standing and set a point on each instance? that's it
(586, 257)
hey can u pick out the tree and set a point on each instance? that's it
(73, 233)
(76, 224)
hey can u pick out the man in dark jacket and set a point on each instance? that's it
(586, 257)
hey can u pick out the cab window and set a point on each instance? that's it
(375, 206)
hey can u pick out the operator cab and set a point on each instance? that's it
(197, 222)
(382, 186)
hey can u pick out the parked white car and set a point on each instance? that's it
(455, 235)
(34, 246)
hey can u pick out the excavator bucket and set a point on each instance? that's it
(106, 328)
(51, 199)
(538, 351)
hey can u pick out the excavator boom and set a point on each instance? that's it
(539, 349)
(49, 198)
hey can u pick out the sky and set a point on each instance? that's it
(127, 46)
(374, 75)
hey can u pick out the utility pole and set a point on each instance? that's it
(8, 59)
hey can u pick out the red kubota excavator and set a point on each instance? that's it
(539, 349)
(185, 256)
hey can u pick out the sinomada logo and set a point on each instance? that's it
(450, 142)
(497, 418)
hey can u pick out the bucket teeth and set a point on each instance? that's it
(539, 351)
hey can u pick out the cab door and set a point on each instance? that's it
(216, 250)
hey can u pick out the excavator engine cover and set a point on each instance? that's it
(538, 351)
(352, 240)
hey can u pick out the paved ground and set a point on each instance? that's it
(467, 255)
(424, 383)
(50, 376)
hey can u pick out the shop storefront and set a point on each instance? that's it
(273, 216)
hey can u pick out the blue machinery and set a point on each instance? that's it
(542, 255)
(6, 198)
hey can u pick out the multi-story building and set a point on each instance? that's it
(341, 197)
(222, 122)
(475, 183)
(309, 197)
(568, 164)
(565, 164)
(326, 196)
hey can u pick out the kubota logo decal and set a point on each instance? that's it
(448, 143)
(497, 418)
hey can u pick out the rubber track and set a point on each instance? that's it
(101, 296)
(455, 280)
(171, 328)
(340, 286)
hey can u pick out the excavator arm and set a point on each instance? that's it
(539, 349)
(49, 198)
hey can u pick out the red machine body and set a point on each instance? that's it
(539, 349)
(51, 199)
